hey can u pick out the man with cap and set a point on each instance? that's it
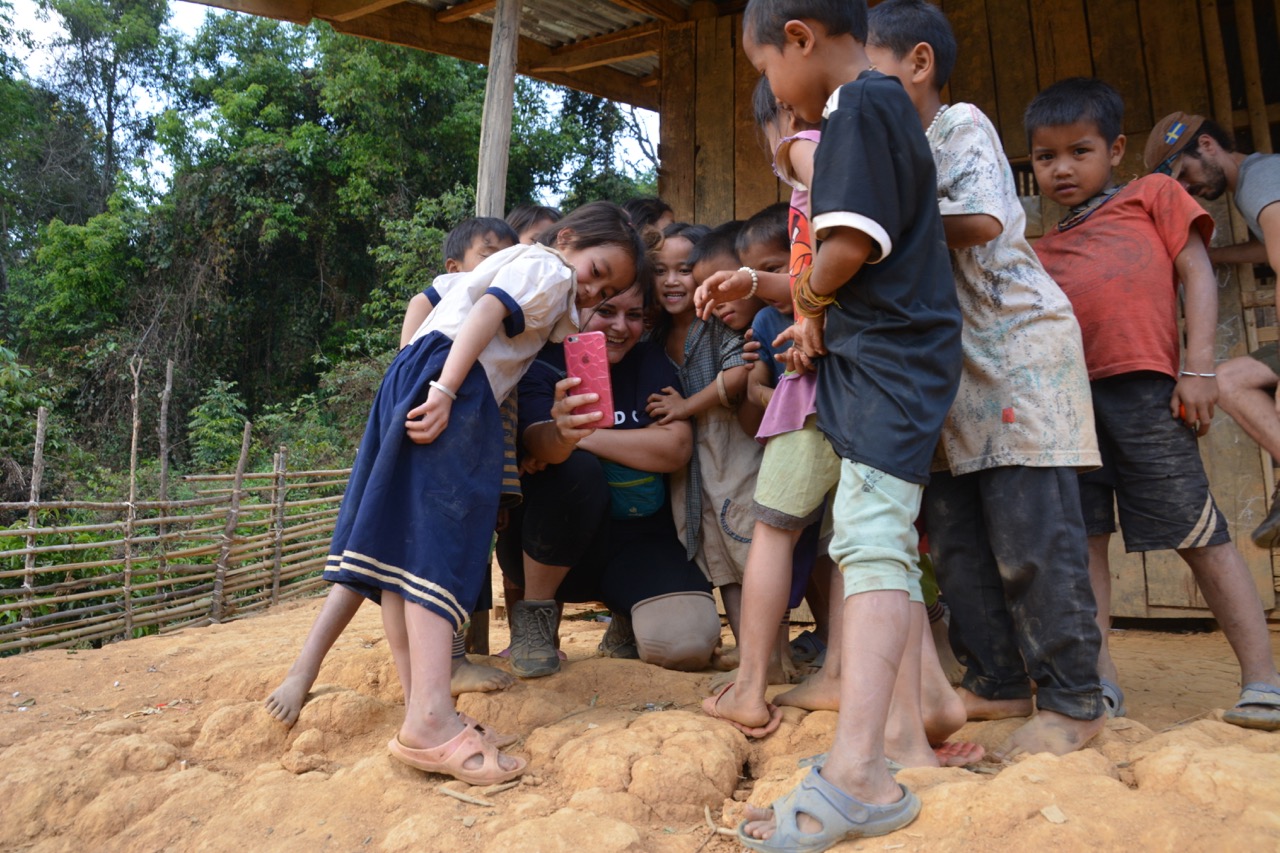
(1201, 156)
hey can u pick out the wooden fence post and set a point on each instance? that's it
(37, 474)
(216, 610)
(163, 529)
(131, 510)
(278, 496)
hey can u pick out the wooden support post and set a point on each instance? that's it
(499, 101)
(131, 510)
(279, 492)
(37, 474)
(1255, 99)
(163, 528)
(218, 608)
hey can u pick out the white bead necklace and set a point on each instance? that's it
(929, 130)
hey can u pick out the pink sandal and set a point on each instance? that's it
(450, 757)
(496, 738)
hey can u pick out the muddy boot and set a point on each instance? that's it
(619, 641)
(533, 639)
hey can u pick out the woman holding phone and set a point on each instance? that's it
(596, 522)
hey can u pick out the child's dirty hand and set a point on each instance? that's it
(666, 406)
(722, 286)
(1193, 400)
(805, 336)
(426, 421)
(750, 347)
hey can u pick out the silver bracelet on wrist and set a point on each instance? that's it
(1201, 375)
(443, 389)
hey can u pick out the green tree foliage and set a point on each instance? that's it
(215, 429)
(309, 181)
(106, 56)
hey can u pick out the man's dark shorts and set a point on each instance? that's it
(1151, 469)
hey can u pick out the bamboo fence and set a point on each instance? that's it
(120, 569)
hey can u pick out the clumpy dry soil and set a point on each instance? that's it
(162, 744)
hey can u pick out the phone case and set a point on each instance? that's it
(585, 357)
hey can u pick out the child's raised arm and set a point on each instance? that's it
(427, 420)
(1197, 388)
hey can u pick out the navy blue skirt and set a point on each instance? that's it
(417, 519)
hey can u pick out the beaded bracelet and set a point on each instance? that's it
(755, 281)
(443, 389)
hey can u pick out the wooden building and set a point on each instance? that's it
(683, 58)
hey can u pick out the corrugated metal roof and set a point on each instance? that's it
(560, 22)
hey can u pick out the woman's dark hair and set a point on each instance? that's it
(1077, 99)
(645, 212)
(900, 25)
(763, 20)
(522, 216)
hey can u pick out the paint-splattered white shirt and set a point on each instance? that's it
(1024, 392)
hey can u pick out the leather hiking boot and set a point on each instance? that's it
(533, 638)
(620, 640)
(1267, 534)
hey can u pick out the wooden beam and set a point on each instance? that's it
(412, 25)
(293, 11)
(679, 115)
(663, 10)
(499, 103)
(1255, 99)
(577, 59)
(609, 38)
(465, 10)
(345, 10)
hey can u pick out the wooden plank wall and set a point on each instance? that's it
(713, 165)
(1162, 55)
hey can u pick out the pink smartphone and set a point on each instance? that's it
(586, 358)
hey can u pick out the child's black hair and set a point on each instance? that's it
(692, 233)
(763, 20)
(719, 241)
(457, 241)
(767, 227)
(764, 105)
(900, 25)
(522, 216)
(603, 223)
(1077, 99)
(645, 212)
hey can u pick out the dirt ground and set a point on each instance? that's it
(162, 744)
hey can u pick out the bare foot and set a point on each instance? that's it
(959, 754)
(1049, 731)
(818, 692)
(724, 660)
(286, 701)
(952, 667)
(721, 679)
(977, 708)
(753, 718)
(471, 677)
(942, 710)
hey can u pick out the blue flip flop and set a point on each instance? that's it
(1258, 708)
(1113, 699)
(842, 817)
(808, 648)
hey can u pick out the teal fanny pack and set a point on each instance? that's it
(632, 493)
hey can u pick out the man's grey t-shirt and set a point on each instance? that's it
(1258, 186)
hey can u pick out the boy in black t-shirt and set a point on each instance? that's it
(881, 282)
